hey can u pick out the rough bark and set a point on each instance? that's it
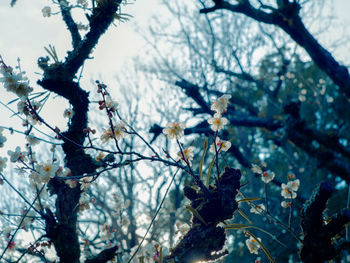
(61, 228)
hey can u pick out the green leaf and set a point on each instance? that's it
(205, 148)
(242, 226)
(209, 171)
(267, 253)
(245, 216)
(236, 226)
(161, 255)
(249, 199)
(195, 213)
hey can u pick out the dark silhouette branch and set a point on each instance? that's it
(59, 78)
(318, 244)
(104, 256)
(205, 240)
(71, 25)
(287, 18)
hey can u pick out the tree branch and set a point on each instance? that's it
(287, 18)
(71, 25)
(318, 245)
(104, 256)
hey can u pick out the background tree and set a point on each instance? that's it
(283, 109)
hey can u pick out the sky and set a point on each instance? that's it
(25, 32)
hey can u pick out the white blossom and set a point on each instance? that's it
(287, 191)
(186, 156)
(32, 140)
(46, 11)
(15, 82)
(3, 139)
(3, 163)
(259, 209)
(47, 171)
(217, 122)
(68, 113)
(256, 169)
(86, 182)
(267, 176)
(285, 204)
(174, 130)
(253, 245)
(119, 132)
(220, 145)
(220, 105)
(17, 155)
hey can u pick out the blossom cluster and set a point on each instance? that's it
(253, 245)
(266, 176)
(259, 209)
(118, 132)
(13, 82)
(27, 108)
(186, 156)
(288, 191)
(174, 130)
(2, 138)
(217, 122)
(219, 145)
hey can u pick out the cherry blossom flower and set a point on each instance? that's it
(106, 233)
(15, 82)
(220, 105)
(84, 202)
(63, 172)
(187, 156)
(68, 113)
(6, 232)
(217, 122)
(294, 185)
(22, 106)
(287, 191)
(221, 145)
(83, 3)
(3, 139)
(32, 140)
(267, 176)
(46, 11)
(253, 245)
(259, 209)
(100, 156)
(34, 179)
(285, 204)
(3, 162)
(111, 104)
(47, 171)
(119, 133)
(81, 26)
(174, 130)
(71, 183)
(182, 228)
(33, 120)
(291, 176)
(17, 155)
(86, 182)
(256, 169)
